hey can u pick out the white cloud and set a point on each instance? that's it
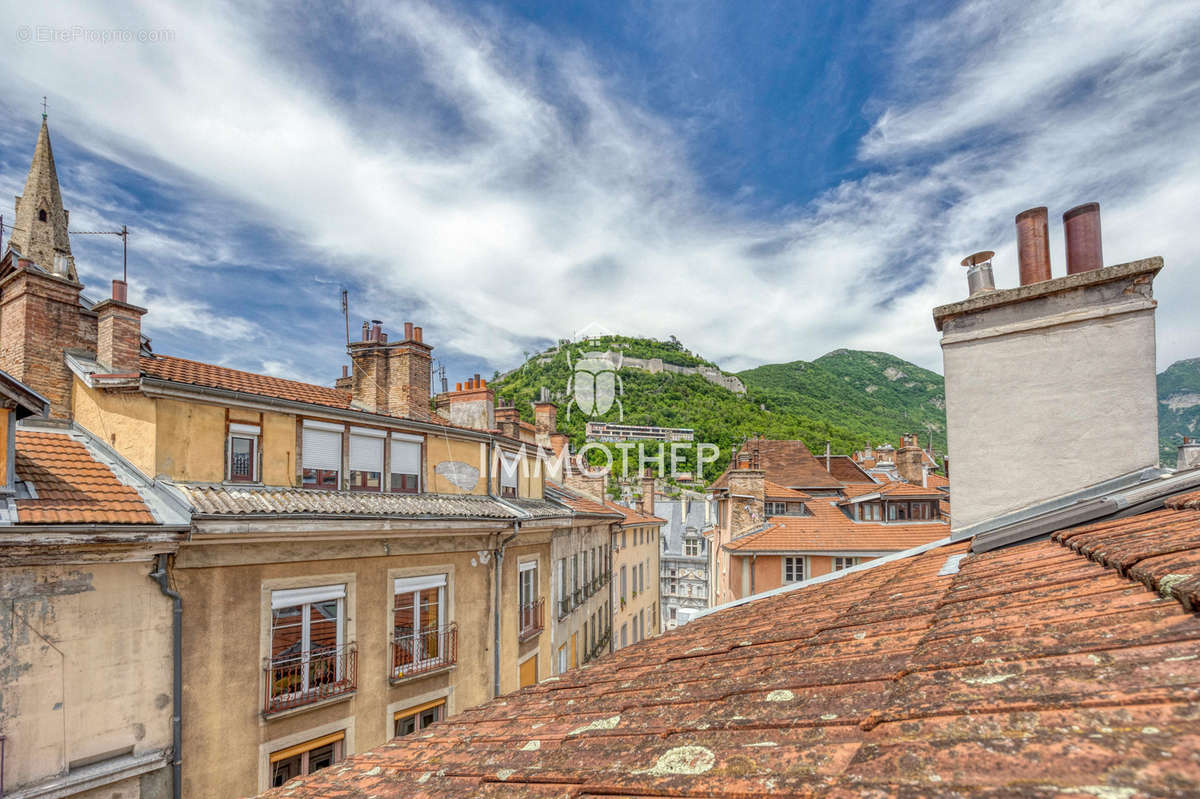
(555, 201)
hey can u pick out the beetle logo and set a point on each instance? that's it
(594, 385)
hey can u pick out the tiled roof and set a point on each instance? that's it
(937, 480)
(830, 530)
(788, 463)
(843, 468)
(1029, 671)
(221, 500)
(181, 370)
(579, 503)
(633, 516)
(71, 486)
(892, 489)
(776, 491)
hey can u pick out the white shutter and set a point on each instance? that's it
(322, 449)
(366, 453)
(406, 457)
(406, 585)
(508, 470)
(301, 596)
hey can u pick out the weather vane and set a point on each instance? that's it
(43, 108)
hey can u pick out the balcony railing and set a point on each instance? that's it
(531, 622)
(424, 651)
(310, 677)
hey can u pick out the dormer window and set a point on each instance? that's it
(243, 451)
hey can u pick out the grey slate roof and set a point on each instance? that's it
(223, 500)
(673, 511)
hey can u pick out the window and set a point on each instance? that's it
(793, 570)
(622, 539)
(366, 459)
(691, 547)
(406, 464)
(415, 719)
(309, 656)
(530, 610)
(422, 641)
(841, 564)
(243, 453)
(322, 464)
(871, 512)
(306, 758)
(624, 635)
(562, 658)
(564, 601)
(622, 583)
(673, 614)
(508, 475)
(776, 508)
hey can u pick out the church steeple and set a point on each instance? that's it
(40, 229)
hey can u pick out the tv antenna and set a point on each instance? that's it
(346, 313)
(124, 234)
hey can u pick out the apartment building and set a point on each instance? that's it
(683, 575)
(356, 566)
(636, 565)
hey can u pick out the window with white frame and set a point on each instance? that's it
(691, 547)
(793, 569)
(527, 586)
(509, 463)
(307, 643)
(242, 466)
(871, 512)
(841, 564)
(366, 458)
(406, 464)
(420, 633)
(321, 465)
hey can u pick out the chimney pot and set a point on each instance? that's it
(408, 331)
(345, 370)
(366, 331)
(383, 338)
(1033, 245)
(979, 272)
(1081, 226)
(120, 291)
(417, 335)
(458, 386)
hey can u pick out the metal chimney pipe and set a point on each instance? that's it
(1033, 245)
(366, 333)
(979, 272)
(120, 291)
(1081, 225)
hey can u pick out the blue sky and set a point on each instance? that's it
(766, 181)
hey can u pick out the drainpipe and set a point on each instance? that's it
(497, 561)
(160, 576)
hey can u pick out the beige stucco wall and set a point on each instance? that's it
(125, 421)
(1036, 413)
(647, 600)
(566, 542)
(226, 590)
(85, 661)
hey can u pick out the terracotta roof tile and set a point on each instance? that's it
(828, 529)
(633, 515)
(1032, 671)
(580, 503)
(181, 370)
(845, 470)
(72, 487)
(776, 491)
(787, 463)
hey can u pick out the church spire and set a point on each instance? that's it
(40, 228)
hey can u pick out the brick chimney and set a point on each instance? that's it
(392, 377)
(574, 478)
(1051, 373)
(470, 404)
(119, 332)
(545, 420)
(647, 503)
(747, 494)
(40, 318)
(910, 461)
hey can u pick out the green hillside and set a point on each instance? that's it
(1178, 406)
(845, 397)
(876, 395)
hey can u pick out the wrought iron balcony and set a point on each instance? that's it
(310, 677)
(531, 619)
(424, 651)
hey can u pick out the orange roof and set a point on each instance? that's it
(937, 480)
(776, 491)
(891, 490)
(182, 370)
(1037, 670)
(578, 502)
(72, 487)
(829, 530)
(845, 469)
(633, 515)
(786, 462)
